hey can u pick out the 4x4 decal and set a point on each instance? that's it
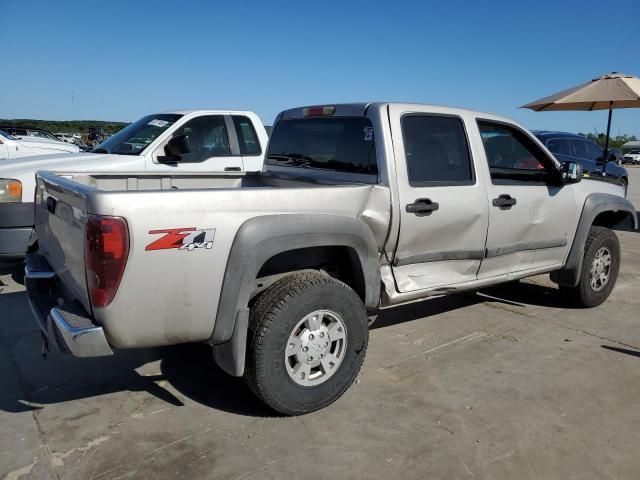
(188, 238)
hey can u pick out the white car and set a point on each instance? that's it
(18, 147)
(66, 137)
(176, 142)
(632, 157)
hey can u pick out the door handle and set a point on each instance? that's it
(422, 205)
(504, 202)
(231, 169)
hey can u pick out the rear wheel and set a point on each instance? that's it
(599, 271)
(307, 340)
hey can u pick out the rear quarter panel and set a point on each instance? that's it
(170, 296)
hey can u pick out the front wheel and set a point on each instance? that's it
(599, 271)
(306, 343)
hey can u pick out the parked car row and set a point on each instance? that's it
(69, 137)
(12, 147)
(358, 207)
(28, 132)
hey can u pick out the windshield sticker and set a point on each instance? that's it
(157, 123)
(188, 238)
(368, 134)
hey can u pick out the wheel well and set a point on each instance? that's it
(612, 218)
(341, 262)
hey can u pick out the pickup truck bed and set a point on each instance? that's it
(222, 202)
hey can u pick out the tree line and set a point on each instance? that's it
(614, 142)
(66, 126)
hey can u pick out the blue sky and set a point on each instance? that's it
(123, 59)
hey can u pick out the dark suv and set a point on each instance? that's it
(569, 146)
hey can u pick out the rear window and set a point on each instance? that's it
(247, 138)
(560, 146)
(436, 150)
(343, 144)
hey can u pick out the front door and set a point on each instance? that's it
(443, 206)
(531, 220)
(209, 142)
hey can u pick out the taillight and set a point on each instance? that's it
(106, 249)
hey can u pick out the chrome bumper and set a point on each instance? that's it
(66, 326)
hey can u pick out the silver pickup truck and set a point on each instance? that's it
(360, 207)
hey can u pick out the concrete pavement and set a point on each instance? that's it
(507, 383)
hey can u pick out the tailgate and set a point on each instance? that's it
(60, 225)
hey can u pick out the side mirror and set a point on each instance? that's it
(175, 148)
(571, 172)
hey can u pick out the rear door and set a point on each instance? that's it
(248, 143)
(530, 220)
(443, 206)
(589, 157)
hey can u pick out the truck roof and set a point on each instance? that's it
(207, 111)
(361, 108)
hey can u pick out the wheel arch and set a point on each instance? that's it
(261, 239)
(600, 209)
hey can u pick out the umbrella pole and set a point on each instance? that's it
(606, 139)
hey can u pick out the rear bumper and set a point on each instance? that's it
(66, 326)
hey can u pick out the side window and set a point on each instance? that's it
(207, 138)
(247, 137)
(579, 148)
(511, 154)
(595, 152)
(560, 146)
(436, 151)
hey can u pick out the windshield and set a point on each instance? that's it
(6, 135)
(43, 134)
(344, 144)
(134, 138)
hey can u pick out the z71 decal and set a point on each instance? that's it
(188, 238)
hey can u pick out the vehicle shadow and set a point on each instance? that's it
(15, 269)
(626, 351)
(516, 294)
(522, 294)
(27, 382)
(423, 308)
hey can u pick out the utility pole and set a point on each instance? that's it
(73, 106)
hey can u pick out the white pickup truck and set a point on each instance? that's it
(360, 207)
(191, 141)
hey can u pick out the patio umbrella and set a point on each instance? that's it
(615, 90)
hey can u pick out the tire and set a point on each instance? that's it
(586, 294)
(279, 322)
